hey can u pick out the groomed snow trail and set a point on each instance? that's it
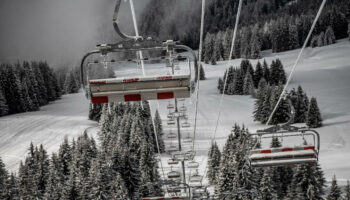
(323, 72)
(67, 116)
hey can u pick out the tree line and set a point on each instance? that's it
(233, 179)
(306, 111)
(26, 86)
(265, 24)
(122, 166)
(245, 80)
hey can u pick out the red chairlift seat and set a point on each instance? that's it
(139, 89)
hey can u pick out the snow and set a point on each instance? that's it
(323, 72)
(65, 117)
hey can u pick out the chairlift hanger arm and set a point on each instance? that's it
(116, 26)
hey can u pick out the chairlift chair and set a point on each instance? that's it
(190, 154)
(172, 148)
(173, 174)
(192, 165)
(188, 139)
(170, 106)
(200, 192)
(173, 161)
(282, 156)
(195, 177)
(172, 135)
(170, 115)
(183, 109)
(154, 87)
(171, 122)
(185, 124)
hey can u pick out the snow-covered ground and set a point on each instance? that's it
(67, 116)
(323, 72)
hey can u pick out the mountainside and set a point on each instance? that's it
(323, 72)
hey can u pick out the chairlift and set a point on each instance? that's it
(173, 174)
(192, 165)
(172, 135)
(174, 189)
(171, 122)
(180, 156)
(282, 156)
(170, 115)
(170, 106)
(172, 148)
(154, 87)
(190, 154)
(173, 161)
(200, 192)
(183, 108)
(185, 124)
(195, 177)
(188, 139)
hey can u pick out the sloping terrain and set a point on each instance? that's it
(323, 72)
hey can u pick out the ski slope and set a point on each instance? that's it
(323, 72)
(67, 116)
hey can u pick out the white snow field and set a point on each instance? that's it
(323, 72)
(65, 117)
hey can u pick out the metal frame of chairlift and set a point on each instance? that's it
(195, 177)
(192, 164)
(185, 124)
(188, 139)
(172, 135)
(282, 156)
(200, 192)
(138, 88)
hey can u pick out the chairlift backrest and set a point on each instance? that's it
(281, 156)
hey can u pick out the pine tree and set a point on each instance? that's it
(314, 41)
(349, 30)
(55, 180)
(209, 43)
(293, 37)
(258, 74)
(266, 191)
(95, 111)
(248, 86)
(3, 180)
(71, 187)
(202, 73)
(300, 106)
(347, 191)
(329, 37)
(118, 189)
(321, 39)
(335, 192)
(218, 47)
(4, 109)
(314, 119)
(159, 129)
(214, 156)
(70, 84)
(260, 99)
(266, 72)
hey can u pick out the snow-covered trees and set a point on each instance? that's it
(314, 118)
(214, 156)
(201, 73)
(25, 87)
(335, 192)
(266, 99)
(347, 191)
(244, 80)
(71, 84)
(329, 37)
